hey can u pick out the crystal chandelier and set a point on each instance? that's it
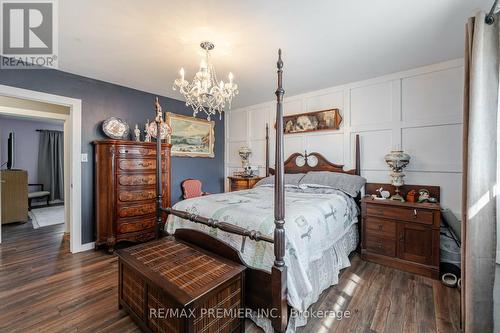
(206, 93)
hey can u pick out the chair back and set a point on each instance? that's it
(191, 188)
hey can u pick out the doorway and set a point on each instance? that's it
(16, 102)
(32, 165)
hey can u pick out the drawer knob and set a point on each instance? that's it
(380, 226)
(414, 213)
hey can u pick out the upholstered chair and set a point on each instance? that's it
(191, 188)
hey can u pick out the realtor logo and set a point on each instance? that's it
(28, 34)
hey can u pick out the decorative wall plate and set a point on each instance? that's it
(300, 161)
(165, 130)
(116, 128)
(312, 161)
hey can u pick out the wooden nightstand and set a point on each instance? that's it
(237, 183)
(402, 235)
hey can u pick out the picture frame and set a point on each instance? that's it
(324, 120)
(191, 137)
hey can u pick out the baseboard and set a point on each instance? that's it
(86, 247)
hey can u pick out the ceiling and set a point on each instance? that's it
(142, 44)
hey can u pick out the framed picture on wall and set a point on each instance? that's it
(312, 121)
(192, 137)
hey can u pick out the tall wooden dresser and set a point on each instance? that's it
(125, 190)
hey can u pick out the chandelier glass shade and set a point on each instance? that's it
(206, 93)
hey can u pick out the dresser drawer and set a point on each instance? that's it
(137, 210)
(146, 179)
(137, 151)
(401, 213)
(133, 180)
(136, 195)
(135, 225)
(137, 165)
(381, 245)
(380, 227)
(140, 236)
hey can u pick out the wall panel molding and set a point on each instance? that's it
(419, 110)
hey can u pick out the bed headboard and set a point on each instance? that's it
(305, 162)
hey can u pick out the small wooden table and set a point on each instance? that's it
(170, 286)
(238, 183)
(403, 235)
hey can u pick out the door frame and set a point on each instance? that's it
(72, 126)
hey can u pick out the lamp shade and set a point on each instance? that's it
(397, 160)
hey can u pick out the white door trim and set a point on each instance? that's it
(74, 126)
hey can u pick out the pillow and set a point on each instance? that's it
(291, 180)
(350, 184)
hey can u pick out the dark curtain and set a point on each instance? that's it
(51, 163)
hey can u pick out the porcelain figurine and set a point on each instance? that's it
(384, 194)
(147, 135)
(137, 133)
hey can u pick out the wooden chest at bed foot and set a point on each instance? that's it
(170, 286)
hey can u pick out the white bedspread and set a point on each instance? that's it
(315, 223)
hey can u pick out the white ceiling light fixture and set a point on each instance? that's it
(206, 93)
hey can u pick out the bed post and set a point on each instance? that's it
(278, 272)
(267, 150)
(358, 157)
(159, 193)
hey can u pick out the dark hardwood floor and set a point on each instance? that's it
(44, 288)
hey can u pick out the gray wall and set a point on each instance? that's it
(26, 143)
(101, 100)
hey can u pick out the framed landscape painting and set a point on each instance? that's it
(191, 136)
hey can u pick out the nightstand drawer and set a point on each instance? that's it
(401, 213)
(242, 183)
(380, 227)
(381, 245)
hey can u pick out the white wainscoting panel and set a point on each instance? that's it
(324, 101)
(257, 122)
(293, 144)
(374, 145)
(434, 148)
(371, 104)
(435, 95)
(237, 126)
(419, 110)
(292, 106)
(258, 148)
(330, 145)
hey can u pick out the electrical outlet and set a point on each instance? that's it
(85, 157)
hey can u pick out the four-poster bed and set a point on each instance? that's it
(265, 289)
